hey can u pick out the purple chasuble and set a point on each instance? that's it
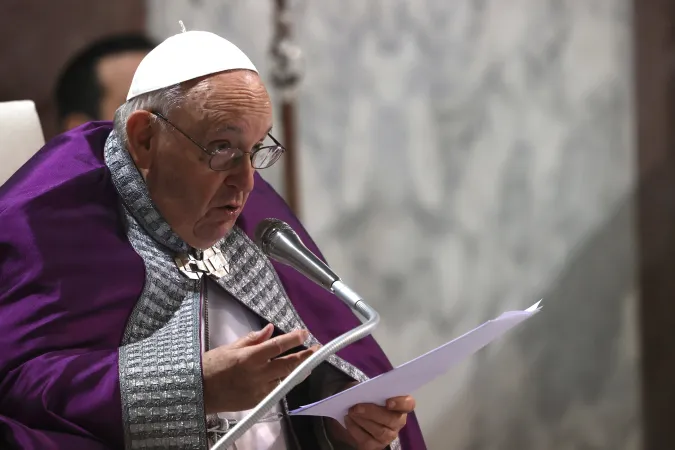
(69, 280)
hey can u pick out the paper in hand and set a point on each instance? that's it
(408, 377)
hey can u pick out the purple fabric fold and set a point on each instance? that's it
(21, 437)
(69, 280)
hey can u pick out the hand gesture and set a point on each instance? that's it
(239, 375)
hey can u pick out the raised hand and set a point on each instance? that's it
(239, 375)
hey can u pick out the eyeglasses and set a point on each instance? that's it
(227, 158)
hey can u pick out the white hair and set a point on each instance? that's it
(161, 100)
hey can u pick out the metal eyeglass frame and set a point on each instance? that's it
(278, 154)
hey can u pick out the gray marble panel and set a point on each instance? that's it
(462, 158)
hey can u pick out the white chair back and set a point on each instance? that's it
(20, 135)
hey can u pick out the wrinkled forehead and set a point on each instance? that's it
(236, 99)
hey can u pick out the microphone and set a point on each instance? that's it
(279, 242)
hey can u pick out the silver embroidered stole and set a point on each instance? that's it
(160, 357)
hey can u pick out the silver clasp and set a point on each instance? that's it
(212, 262)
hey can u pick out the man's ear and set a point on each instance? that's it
(74, 120)
(140, 134)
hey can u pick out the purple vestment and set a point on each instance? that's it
(69, 280)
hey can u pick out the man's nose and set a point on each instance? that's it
(241, 175)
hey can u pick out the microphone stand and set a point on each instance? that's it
(369, 318)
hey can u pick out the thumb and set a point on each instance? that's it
(254, 337)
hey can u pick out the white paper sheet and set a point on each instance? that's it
(408, 377)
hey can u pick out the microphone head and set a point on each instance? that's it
(266, 229)
(279, 242)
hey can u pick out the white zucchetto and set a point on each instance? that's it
(186, 56)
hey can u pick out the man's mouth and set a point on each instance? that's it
(231, 208)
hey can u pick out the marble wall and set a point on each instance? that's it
(462, 158)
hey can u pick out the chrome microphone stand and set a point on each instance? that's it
(370, 319)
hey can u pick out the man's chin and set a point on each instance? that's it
(209, 236)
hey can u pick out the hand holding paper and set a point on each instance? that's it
(414, 374)
(373, 426)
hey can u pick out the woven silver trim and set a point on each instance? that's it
(135, 196)
(160, 357)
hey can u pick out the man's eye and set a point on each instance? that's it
(222, 146)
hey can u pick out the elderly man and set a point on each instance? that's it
(114, 333)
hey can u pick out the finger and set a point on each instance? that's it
(404, 404)
(280, 344)
(282, 367)
(254, 337)
(379, 414)
(361, 436)
(304, 355)
(381, 434)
